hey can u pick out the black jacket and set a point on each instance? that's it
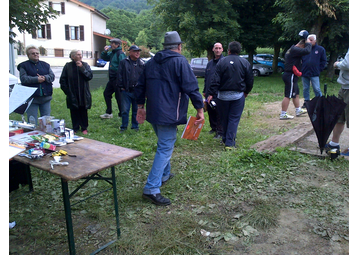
(209, 74)
(124, 73)
(75, 93)
(293, 56)
(233, 73)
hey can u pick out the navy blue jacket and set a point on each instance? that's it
(167, 83)
(314, 63)
(209, 74)
(29, 78)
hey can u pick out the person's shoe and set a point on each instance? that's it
(85, 132)
(304, 104)
(286, 117)
(170, 177)
(332, 151)
(212, 131)
(106, 116)
(157, 199)
(300, 112)
(345, 152)
(122, 130)
(217, 137)
(230, 148)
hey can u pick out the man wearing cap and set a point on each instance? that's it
(114, 57)
(165, 87)
(129, 71)
(293, 59)
(312, 65)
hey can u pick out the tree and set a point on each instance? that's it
(142, 39)
(328, 19)
(200, 23)
(28, 15)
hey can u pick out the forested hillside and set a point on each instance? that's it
(128, 5)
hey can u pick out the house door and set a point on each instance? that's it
(58, 52)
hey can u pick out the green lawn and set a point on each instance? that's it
(208, 192)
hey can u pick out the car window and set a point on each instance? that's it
(205, 62)
(197, 62)
(260, 58)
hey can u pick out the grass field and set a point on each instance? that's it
(237, 196)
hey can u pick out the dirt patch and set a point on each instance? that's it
(296, 233)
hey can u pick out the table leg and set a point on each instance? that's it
(67, 205)
(115, 201)
(29, 179)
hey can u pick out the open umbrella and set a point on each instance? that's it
(324, 112)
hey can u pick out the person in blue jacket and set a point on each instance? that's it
(165, 87)
(312, 65)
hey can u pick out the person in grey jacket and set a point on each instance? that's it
(74, 83)
(343, 94)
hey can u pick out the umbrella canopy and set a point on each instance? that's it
(324, 113)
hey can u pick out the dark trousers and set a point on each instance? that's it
(79, 118)
(214, 120)
(230, 114)
(108, 92)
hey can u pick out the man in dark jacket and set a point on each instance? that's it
(114, 57)
(312, 65)
(129, 71)
(37, 74)
(293, 58)
(165, 86)
(214, 117)
(232, 82)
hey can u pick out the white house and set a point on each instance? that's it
(78, 26)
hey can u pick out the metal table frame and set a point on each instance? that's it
(67, 205)
(108, 156)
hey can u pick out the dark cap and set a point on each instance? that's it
(134, 47)
(303, 34)
(171, 38)
(115, 40)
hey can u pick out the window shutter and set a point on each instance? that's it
(48, 31)
(43, 31)
(63, 7)
(50, 5)
(67, 32)
(82, 33)
(34, 34)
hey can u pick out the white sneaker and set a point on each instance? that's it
(106, 116)
(300, 112)
(286, 117)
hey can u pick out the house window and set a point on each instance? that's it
(74, 33)
(59, 7)
(44, 32)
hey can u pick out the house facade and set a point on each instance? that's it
(78, 26)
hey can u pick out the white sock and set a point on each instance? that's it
(298, 109)
(333, 143)
(283, 113)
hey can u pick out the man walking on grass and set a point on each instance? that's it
(165, 87)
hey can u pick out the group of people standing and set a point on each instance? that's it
(159, 92)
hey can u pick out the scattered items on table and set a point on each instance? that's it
(39, 143)
(56, 161)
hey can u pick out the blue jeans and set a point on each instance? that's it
(167, 135)
(127, 99)
(230, 114)
(315, 85)
(39, 103)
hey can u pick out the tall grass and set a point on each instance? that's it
(225, 193)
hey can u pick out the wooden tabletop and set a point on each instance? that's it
(91, 157)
